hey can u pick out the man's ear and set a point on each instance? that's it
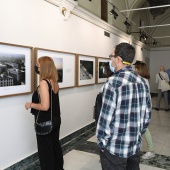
(119, 59)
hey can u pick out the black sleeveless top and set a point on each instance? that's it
(46, 115)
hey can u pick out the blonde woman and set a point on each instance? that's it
(45, 96)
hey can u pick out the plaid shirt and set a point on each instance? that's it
(125, 113)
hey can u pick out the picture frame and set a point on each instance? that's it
(85, 70)
(65, 64)
(16, 75)
(100, 68)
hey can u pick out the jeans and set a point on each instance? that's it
(148, 138)
(165, 93)
(112, 162)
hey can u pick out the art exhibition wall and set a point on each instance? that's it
(38, 23)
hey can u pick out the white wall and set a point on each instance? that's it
(92, 6)
(158, 57)
(37, 23)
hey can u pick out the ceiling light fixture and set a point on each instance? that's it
(154, 43)
(113, 12)
(127, 23)
(143, 35)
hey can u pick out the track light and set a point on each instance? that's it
(127, 23)
(113, 12)
(144, 36)
(154, 43)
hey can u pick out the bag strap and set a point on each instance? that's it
(49, 85)
(160, 75)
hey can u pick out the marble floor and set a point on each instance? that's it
(84, 154)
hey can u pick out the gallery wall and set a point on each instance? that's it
(37, 23)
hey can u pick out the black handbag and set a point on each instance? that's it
(44, 128)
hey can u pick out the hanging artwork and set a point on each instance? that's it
(85, 70)
(65, 64)
(101, 76)
(16, 75)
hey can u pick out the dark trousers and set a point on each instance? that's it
(112, 162)
(169, 97)
(49, 151)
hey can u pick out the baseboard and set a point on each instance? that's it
(34, 157)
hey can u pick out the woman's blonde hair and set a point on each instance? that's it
(47, 69)
(142, 70)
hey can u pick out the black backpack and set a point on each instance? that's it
(98, 105)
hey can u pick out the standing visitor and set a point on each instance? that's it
(45, 96)
(125, 113)
(142, 70)
(163, 74)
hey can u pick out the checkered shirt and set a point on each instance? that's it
(125, 113)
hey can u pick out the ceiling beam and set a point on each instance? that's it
(164, 25)
(137, 9)
(162, 37)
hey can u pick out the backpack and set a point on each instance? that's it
(98, 105)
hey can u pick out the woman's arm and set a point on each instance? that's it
(44, 98)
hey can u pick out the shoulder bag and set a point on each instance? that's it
(164, 84)
(44, 128)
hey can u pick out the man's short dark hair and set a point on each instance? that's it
(125, 51)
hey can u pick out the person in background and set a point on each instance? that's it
(168, 72)
(165, 93)
(125, 113)
(49, 148)
(137, 62)
(142, 70)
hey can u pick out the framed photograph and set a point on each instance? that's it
(16, 76)
(85, 70)
(101, 69)
(65, 64)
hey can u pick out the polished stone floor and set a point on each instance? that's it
(83, 153)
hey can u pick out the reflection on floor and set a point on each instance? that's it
(83, 152)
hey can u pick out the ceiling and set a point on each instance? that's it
(154, 22)
(158, 20)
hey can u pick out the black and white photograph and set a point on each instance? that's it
(12, 69)
(101, 69)
(86, 70)
(15, 69)
(65, 65)
(102, 73)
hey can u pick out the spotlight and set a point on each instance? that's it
(144, 36)
(154, 43)
(127, 23)
(113, 12)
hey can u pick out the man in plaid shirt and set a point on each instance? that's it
(125, 113)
